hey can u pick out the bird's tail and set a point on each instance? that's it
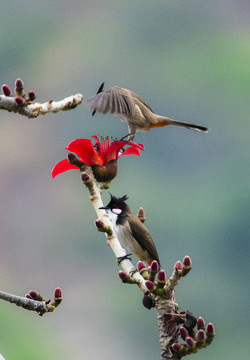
(164, 121)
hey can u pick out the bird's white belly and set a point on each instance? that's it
(122, 236)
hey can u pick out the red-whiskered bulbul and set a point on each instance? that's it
(130, 107)
(130, 231)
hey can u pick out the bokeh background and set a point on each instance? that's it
(189, 60)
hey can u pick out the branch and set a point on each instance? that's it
(103, 224)
(33, 301)
(23, 105)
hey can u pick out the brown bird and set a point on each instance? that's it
(130, 231)
(130, 107)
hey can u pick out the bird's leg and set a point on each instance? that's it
(124, 137)
(132, 272)
(121, 258)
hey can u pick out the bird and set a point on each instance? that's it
(130, 107)
(130, 231)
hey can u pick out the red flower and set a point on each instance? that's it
(102, 156)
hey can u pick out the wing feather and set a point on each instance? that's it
(138, 229)
(114, 100)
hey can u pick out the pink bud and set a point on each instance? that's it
(154, 266)
(177, 347)
(210, 329)
(161, 275)
(190, 341)
(32, 95)
(6, 90)
(58, 293)
(183, 332)
(19, 100)
(34, 294)
(186, 262)
(141, 266)
(200, 323)
(201, 335)
(85, 177)
(150, 285)
(99, 224)
(178, 265)
(19, 84)
(123, 276)
(29, 297)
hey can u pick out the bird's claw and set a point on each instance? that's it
(121, 258)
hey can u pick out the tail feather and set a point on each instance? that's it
(164, 121)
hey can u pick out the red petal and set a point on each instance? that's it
(62, 166)
(131, 151)
(117, 145)
(85, 150)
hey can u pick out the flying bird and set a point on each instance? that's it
(130, 107)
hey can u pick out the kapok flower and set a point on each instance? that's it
(102, 156)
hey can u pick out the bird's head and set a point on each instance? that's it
(117, 207)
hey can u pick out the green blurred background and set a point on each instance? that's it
(190, 60)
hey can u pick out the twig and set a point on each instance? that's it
(33, 301)
(35, 109)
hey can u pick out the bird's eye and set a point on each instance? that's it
(116, 211)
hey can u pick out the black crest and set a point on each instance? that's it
(117, 202)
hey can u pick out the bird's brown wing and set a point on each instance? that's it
(143, 237)
(136, 96)
(113, 100)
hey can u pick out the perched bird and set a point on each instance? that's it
(129, 107)
(130, 231)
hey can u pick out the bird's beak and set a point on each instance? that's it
(103, 208)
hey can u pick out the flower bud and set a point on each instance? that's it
(186, 262)
(154, 266)
(201, 335)
(100, 225)
(141, 266)
(200, 323)
(123, 276)
(210, 333)
(19, 85)
(143, 269)
(57, 293)
(183, 332)
(19, 100)
(190, 341)
(29, 297)
(6, 90)
(85, 177)
(178, 266)
(162, 276)
(187, 265)
(32, 96)
(210, 330)
(177, 347)
(57, 297)
(35, 295)
(150, 285)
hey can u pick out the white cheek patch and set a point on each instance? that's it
(117, 211)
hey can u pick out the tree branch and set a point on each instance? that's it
(103, 224)
(24, 105)
(33, 301)
(36, 109)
